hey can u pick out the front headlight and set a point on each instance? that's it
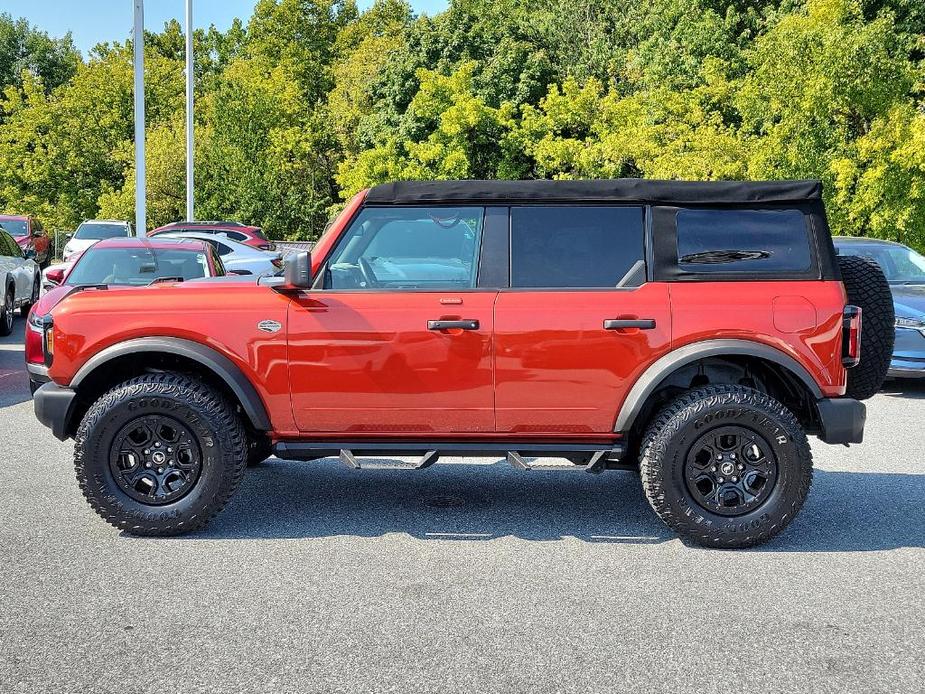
(911, 323)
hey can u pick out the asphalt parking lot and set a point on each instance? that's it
(463, 577)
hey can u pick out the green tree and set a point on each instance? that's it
(24, 48)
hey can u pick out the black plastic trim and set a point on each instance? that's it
(842, 420)
(494, 263)
(647, 383)
(53, 407)
(219, 364)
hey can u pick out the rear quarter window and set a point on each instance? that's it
(747, 241)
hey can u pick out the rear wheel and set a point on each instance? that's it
(726, 466)
(160, 454)
(6, 313)
(868, 288)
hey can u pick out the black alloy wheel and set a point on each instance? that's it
(155, 459)
(731, 470)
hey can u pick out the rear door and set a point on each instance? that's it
(396, 336)
(579, 322)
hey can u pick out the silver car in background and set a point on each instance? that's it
(237, 258)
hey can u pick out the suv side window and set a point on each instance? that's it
(408, 248)
(721, 241)
(577, 246)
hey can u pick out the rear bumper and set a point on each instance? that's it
(842, 420)
(53, 406)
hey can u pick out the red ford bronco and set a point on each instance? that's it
(696, 332)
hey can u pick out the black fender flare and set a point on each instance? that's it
(646, 384)
(211, 359)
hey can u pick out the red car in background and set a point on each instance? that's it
(30, 235)
(242, 233)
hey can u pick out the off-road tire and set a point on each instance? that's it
(209, 417)
(6, 313)
(36, 290)
(868, 288)
(668, 442)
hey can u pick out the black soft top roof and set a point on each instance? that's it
(616, 190)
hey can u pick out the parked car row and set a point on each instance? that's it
(105, 252)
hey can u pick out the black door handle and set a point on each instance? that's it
(465, 324)
(621, 323)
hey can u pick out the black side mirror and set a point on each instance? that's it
(298, 271)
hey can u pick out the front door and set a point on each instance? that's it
(579, 323)
(396, 338)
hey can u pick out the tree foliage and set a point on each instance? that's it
(313, 100)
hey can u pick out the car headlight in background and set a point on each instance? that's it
(910, 323)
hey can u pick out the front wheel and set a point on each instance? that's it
(726, 466)
(160, 454)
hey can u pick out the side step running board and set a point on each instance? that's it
(595, 466)
(348, 458)
(599, 456)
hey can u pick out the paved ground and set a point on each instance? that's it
(462, 578)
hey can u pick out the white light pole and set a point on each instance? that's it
(189, 111)
(138, 47)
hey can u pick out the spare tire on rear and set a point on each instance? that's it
(867, 288)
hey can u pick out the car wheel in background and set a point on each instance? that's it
(160, 454)
(6, 313)
(868, 288)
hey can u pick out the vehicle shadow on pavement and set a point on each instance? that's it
(905, 388)
(846, 511)
(14, 381)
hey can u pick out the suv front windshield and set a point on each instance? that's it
(901, 265)
(16, 228)
(136, 266)
(97, 232)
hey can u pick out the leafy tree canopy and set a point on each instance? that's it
(312, 101)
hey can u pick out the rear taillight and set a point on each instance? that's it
(851, 336)
(40, 340)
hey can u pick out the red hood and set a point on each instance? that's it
(50, 299)
(23, 241)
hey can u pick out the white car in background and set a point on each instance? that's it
(94, 230)
(236, 257)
